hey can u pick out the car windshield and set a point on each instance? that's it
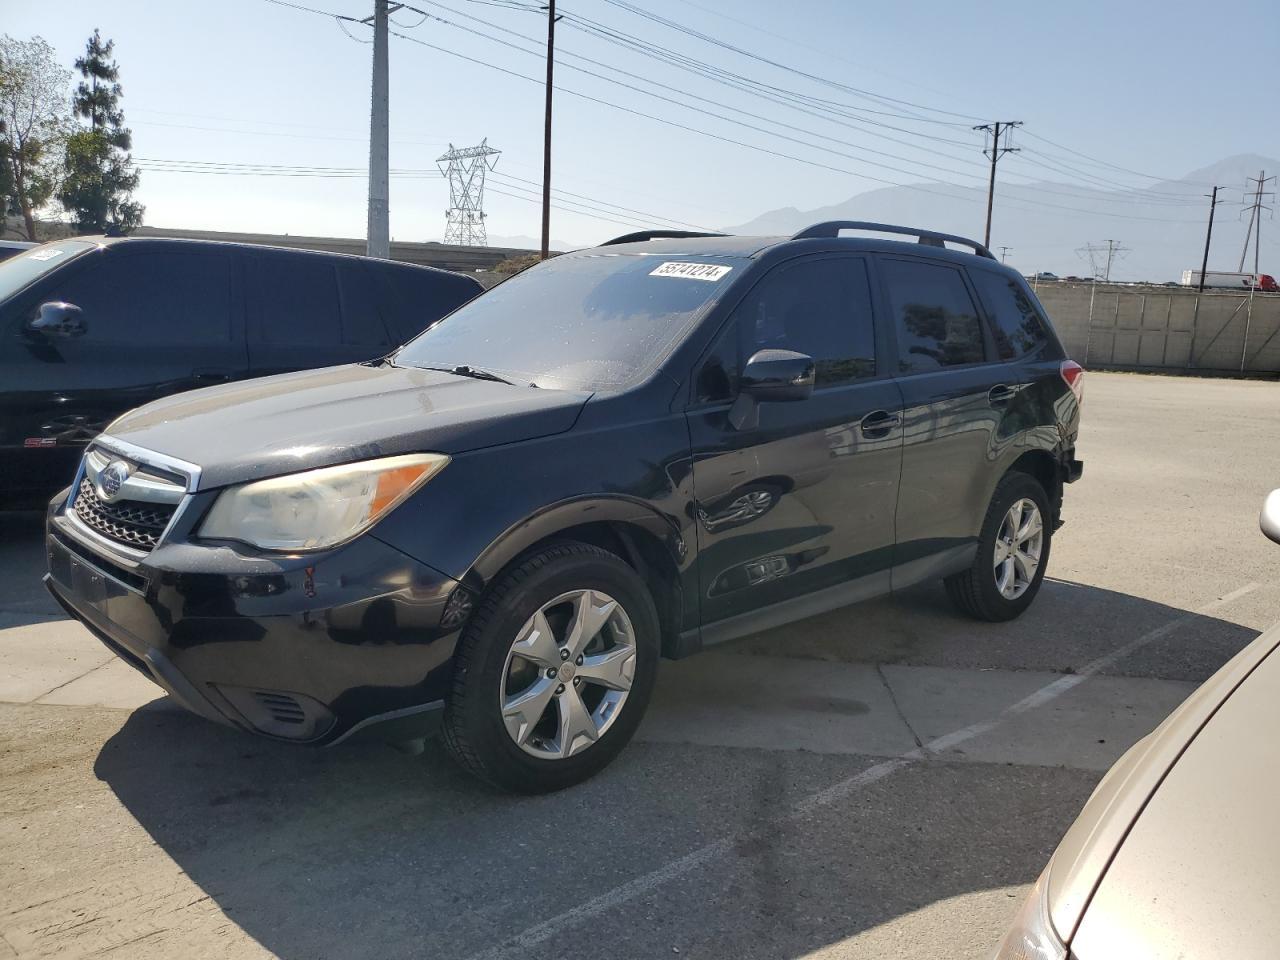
(17, 272)
(587, 321)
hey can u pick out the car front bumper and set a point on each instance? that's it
(355, 642)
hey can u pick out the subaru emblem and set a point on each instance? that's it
(112, 478)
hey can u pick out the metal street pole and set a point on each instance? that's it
(546, 144)
(379, 234)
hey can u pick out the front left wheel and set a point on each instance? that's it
(555, 670)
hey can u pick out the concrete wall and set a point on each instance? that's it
(1108, 325)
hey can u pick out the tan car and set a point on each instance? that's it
(1177, 853)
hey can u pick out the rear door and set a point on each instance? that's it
(805, 500)
(957, 397)
(307, 310)
(157, 322)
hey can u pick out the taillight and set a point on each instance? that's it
(1073, 376)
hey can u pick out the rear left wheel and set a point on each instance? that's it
(555, 670)
(1013, 552)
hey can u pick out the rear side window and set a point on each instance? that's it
(937, 323)
(152, 298)
(1017, 326)
(294, 299)
(361, 324)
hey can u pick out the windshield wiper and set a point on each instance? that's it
(476, 373)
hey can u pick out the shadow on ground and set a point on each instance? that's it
(22, 563)
(1068, 626)
(364, 852)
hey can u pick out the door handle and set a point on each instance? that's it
(210, 375)
(878, 423)
(1001, 393)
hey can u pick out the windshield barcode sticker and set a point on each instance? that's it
(691, 271)
(43, 254)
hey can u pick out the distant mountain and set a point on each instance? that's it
(1161, 227)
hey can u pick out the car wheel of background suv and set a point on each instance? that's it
(1013, 552)
(554, 672)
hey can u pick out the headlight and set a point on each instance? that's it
(1032, 936)
(318, 508)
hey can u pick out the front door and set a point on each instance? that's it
(804, 501)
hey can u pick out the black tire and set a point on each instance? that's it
(975, 591)
(474, 732)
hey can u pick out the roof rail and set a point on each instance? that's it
(930, 238)
(658, 235)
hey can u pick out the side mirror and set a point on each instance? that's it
(1269, 520)
(770, 376)
(59, 320)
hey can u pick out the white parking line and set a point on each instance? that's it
(541, 932)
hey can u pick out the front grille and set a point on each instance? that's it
(131, 523)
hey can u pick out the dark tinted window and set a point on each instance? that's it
(413, 299)
(817, 307)
(293, 299)
(936, 320)
(361, 324)
(152, 298)
(1017, 326)
(580, 321)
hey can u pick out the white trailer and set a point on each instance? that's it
(1220, 279)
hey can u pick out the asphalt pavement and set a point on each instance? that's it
(881, 781)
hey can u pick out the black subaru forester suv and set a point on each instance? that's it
(626, 452)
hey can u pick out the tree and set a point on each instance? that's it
(34, 122)
(99, 176)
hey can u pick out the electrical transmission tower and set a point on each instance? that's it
(1101, 258)
(1256, 209)
(466, 170)
(995, 151)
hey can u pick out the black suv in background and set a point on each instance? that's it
(95, 326)
(635, 450)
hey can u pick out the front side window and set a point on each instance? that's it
(587, 321)
(821, 308)
(1017, 326)
(152, 298)
(937, 323)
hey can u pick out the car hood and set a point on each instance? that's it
(297, 421)
(1187, 823)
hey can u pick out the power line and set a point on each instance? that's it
(856, 91)
(730, 140)
(1107, 163)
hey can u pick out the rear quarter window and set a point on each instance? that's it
(411, 300)
(1017, 325)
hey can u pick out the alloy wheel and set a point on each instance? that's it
(568, 674)
(1019, 542)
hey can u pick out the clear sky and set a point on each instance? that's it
(1160, 88)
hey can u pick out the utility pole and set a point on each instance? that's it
(1208, 235)
(546, 142)
(1255, 218)
(1004, 252)
(995, 153)
(379, 231)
